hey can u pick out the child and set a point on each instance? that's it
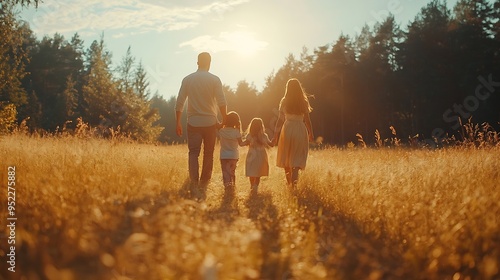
(256, 162)
(230, 138)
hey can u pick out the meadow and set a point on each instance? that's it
(100, 209)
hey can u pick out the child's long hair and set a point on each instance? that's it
(295, 101)
(233, 120)
(256, 131)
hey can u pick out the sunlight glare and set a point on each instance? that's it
(243, 43)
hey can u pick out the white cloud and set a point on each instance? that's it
(238, 41)
(125, 15)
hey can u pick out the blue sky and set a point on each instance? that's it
(248, 39)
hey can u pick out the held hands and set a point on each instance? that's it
(220, 125)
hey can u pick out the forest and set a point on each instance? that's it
(422, 80)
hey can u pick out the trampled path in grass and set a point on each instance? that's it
(94, 209)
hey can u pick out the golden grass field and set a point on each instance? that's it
(97, 209)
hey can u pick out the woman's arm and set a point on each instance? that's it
(307, 121)
(268, 142)
(277, 128)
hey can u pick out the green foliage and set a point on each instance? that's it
(22, 2)
(13, 57)
(118, 104)
(165, 110)
(245, 102)
(8, 117)
(100, 92)
(69, 99)
(55, 68)
(139, 118)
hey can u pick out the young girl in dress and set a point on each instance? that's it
(295, 131)
(257, 164)
(230, 139)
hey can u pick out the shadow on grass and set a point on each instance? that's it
(345, 249)
(72, 247)
(193, 191)
(228, 209)
(265, 215)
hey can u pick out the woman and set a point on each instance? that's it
(294, 132)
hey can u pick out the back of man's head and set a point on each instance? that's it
(204, 60)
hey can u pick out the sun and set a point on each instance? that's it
(242, 42)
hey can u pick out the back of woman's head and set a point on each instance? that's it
(233, 120)
(295, 100)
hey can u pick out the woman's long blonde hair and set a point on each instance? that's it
(295, 101)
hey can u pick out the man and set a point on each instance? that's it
(204, 95)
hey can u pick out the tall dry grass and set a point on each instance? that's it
(435, 214)
(98, 209)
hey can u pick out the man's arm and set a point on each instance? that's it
(179, 107)
(220, 98)
(223, 112)
(178, 129)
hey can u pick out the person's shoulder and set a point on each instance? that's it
(189, 77)
(229, 132)
(235, 132)
(212, 76)
(202, 75)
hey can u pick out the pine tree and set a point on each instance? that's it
(70, 99)
(102, 106)
(138, 116)
(125, 71)
(13, 57)
(141, 83)
(53, 62)
(425, 60)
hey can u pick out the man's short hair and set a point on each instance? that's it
(204, 59)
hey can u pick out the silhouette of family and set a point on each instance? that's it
(205, 98)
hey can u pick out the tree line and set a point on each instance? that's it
(55, 82)
(423, 79)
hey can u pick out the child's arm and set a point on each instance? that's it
(270, 143)
(243, 143)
